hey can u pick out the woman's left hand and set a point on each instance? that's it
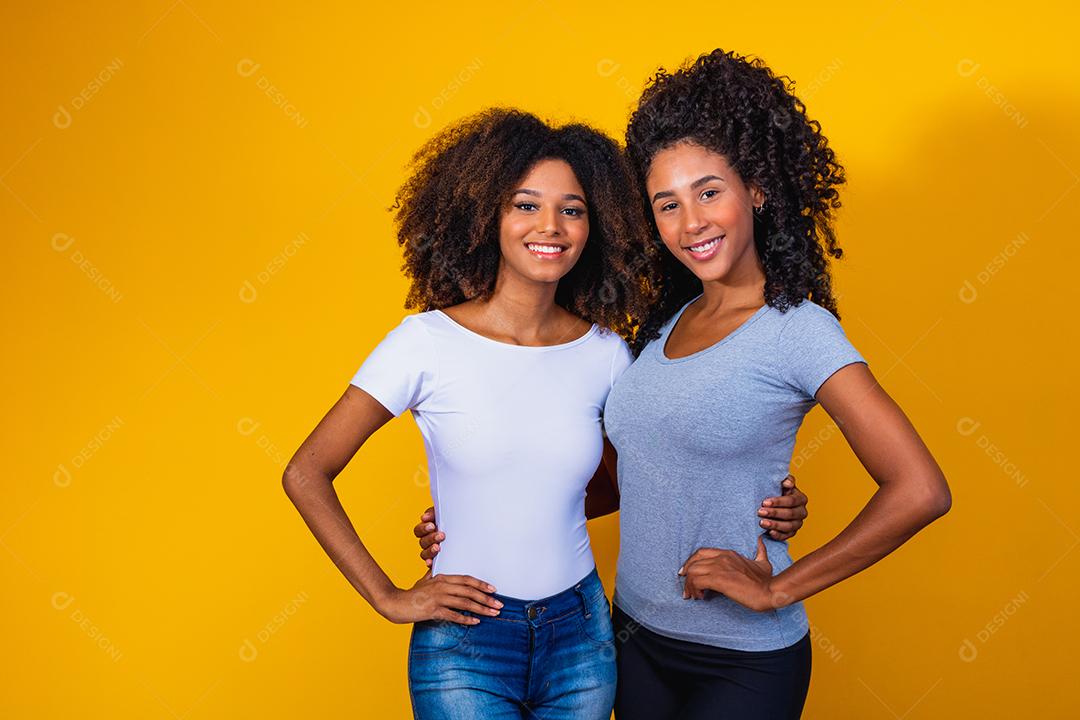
(746, 581)
(782, 516)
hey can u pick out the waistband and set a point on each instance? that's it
(581, 597)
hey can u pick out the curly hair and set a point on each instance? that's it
(735, 106)
(448, 216)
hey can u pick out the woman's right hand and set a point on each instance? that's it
(439, 597)
(430, 537)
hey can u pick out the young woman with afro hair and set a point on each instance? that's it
(740, 341)
(530, 263)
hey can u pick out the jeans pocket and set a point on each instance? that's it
(597, 626)
(431, 637)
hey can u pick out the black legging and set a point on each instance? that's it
(661, 678)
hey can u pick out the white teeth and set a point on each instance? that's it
(546, 249)
(704, 248)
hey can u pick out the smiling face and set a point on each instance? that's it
(704, 212)
(544, 228)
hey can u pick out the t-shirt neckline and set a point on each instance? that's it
(662, 340)
(472, 333)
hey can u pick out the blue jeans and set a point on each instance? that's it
(552, 658)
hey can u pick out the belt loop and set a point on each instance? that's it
(584, 601)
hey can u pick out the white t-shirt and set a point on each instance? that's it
(512, 436)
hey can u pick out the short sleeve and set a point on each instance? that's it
(623, 359)
(813, 346)
(401, 371)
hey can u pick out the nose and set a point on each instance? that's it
(693, 220)
(547, 222)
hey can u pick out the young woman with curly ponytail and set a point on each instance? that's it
(524, 248)
(743, 341)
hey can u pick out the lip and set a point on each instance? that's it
(546, 255)
(709, 253)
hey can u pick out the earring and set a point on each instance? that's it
(758, 209)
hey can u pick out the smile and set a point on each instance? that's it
(544, 250)
(705, 249)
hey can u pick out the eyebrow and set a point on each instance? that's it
(535, 193)
(693, 186)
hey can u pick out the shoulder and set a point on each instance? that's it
(812, 346)
(806, 317)
(422, 320)
(609, 341)
(415, 322)
(413, 331)
(808, 310)
(616, 350)
(460, 313)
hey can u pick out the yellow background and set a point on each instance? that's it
(197, 257)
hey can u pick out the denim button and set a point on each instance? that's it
(532, 613)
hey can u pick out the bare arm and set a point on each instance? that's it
(602, 493)
(309, 482)
(912, 493)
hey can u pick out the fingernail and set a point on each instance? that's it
(429, 526)
(491, 588)
(765, 523)
(681, 569)
(767, 503)
(498, 604)
(440, 536)
(493, 611)
(435, 548)
(762, 511)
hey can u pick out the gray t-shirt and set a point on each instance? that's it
(702, 440)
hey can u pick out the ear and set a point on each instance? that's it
(757, 195)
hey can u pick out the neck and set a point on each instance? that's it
(521, 306)
(743, 287)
